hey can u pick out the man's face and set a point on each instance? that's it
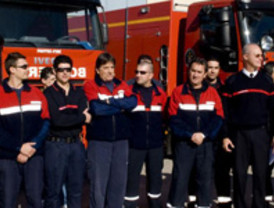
(106, 72)
(49, 81)
(213, 69)
(144, 75)
(196, 75)
(253, 59)
(20, 71)
(63, 73)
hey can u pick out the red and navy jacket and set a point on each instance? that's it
(188, 116)
(66, 112)
(21, 120)
(247, 101)
(147, 124)
(109, 120)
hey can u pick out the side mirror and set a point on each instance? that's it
(104, 28)
(224, 20)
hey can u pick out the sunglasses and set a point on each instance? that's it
(25, 66)
(259, 55)
(63, 69)
(140, 72)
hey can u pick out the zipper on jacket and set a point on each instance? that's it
(197, 99)
(147, 129)
(114, 127)
(21, 118)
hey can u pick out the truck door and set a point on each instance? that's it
(142, 40)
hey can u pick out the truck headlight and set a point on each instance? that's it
(266, 42)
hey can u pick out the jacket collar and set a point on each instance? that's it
(58, 88)
(100, 82)
(136, 88)
(8, 89)
(187, 88)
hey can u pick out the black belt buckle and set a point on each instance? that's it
(67, 140)
(70, 140)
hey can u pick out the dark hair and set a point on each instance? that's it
(268, 68)
(144, 58)
(62, 59)
(213, 58)
(46, 72)
(200, 61)
(104, 58)
(12, 59)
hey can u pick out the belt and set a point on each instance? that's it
(63, 139)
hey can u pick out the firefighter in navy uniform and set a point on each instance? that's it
(223, 160)
(110, 99)
(195, 118)
(248, 100)
(65, 152)
(146, 142)
(23, 126)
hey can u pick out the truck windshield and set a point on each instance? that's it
(25, 25)
(257, 24)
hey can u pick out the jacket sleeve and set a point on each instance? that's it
(227, 105)
(216, 122)
(100, 107)
(128, 102)
(97, 107)
(45, 127)
(271, 109)
(178, 126)
(41, 135)
(60, 118)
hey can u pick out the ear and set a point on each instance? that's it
(43, 81)
(205, 74)
(245, 57)
(97, 71)
(12, 69)
(151, 75)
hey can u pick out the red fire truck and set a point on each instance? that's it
(173, 33)
(40, 30)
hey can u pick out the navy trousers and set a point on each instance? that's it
(251, 147)
(64, 164)
(154, 163)
(188, 156)
(107, 170)
(13, 173)
(223, 164)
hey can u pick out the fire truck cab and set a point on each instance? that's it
(40, 30)
(219, 28)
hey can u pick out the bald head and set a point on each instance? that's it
(249, 47)
(252, 57)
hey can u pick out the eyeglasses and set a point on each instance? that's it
(63, 69)
(25, 66)
(140, 72)
(258, 55)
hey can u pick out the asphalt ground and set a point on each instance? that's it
(165, 189)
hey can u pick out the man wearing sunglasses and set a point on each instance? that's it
(146, 142)
(24, 125)
(248, 101)
(65, 153)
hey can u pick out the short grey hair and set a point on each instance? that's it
(147, 63)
